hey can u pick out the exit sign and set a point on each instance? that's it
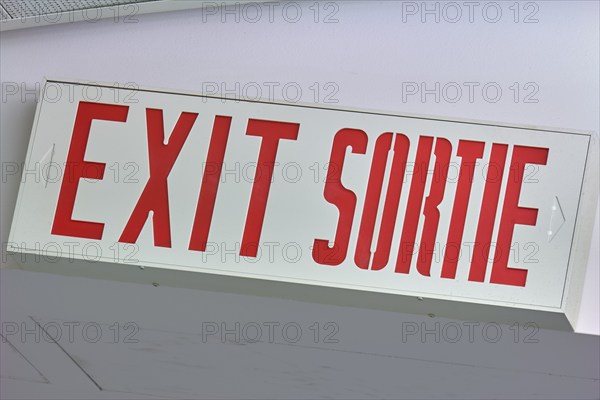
(463, 219)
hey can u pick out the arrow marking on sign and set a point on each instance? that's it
(50, 153)
(557, 219)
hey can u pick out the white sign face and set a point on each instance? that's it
(463, 211)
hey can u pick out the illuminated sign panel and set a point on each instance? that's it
(446, 212)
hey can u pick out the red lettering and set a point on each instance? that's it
(270, 132)
(512, 215)
(443, 151)
(362, 256)
(77, 168)
(210, 183)
(155, 196)
(469, 151)
(413, 207)
(336, 194)
(487, 216)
